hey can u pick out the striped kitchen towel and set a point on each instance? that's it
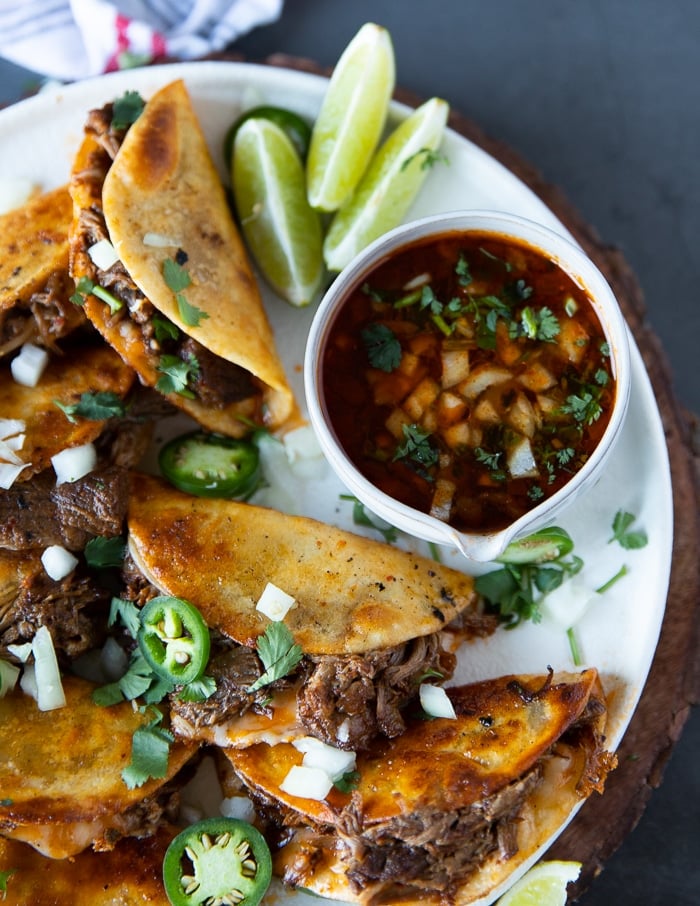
(73, 39)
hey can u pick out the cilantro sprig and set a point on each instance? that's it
(417, 450)
(176, 374)
(150, 750)
(93, 406)
(537, 565)
(622, 533)
(278, 652)
(360, 516)
(87, 287)
(177, 279)
(127, 109)
(382, 346)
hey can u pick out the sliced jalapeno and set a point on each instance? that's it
(297, 129)
(218, 860)
(174, 639)
(211, 465)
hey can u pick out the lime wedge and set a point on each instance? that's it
(389, 186)
(352, 116)
(543, 885)
(282, 231)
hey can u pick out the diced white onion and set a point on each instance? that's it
(13, 444)
(27, 682)
(435, 701)
(28, 367)
(8, 677)
(8, 474)
(14, 192)
(113, 660)
(418, 280)
(239, 807)
(335, 762)
(203, 793)
(275, 603)
(58, 562)
(7, 454)
(10, 427)
(103, 254)
(50, 693)
(521, 460)
(74, 462)
(343, 732)
(309, 783)
(157, 240)
(567, 603)
(21, 652)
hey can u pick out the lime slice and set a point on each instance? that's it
(282, 231)
(543, 885)
(296, 128)
(352, 116)
(389, 186)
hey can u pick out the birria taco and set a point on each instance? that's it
(163, 270)
(35, 286)
(369, 619)
(444, 813)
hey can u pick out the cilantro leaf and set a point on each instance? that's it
(102, 552)
(383, 348)
(539, 324)
(127, 613)
(150, 749)
(278, 652)
(176, 375)
(583, 407)
(165, 329)
(417, 449)
(629, 540)
(177, 279)
(97, 406)
(348, 782)
(127, 109)
(198, 690)
(430, 158)
(87, 287)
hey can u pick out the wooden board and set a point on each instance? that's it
(674, 681)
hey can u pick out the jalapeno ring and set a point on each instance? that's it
(211, 465)
(221, 860)
(174, 639)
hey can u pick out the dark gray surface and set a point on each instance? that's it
(601, 96)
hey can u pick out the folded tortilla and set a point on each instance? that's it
(448, 810)
(61, 786)
(352, 594)
(90, 369)
(162, 187)
(35, 286)
(131, 874)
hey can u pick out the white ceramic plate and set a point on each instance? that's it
(619, 632)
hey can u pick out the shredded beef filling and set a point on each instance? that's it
(38, 513)
(47, 317)
(348, 701)
(72, 609)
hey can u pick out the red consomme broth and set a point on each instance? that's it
(468, 376)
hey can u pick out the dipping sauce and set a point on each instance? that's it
(468, 377)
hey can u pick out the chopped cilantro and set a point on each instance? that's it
(278, 652)
(629, 540)
(127, 109)
(164, 329)
(490, 460)
(348, 782)
(583, 407)
(176, 375)
(125, 612)
(150, 749)
(103, 553)
(417, 449)
(383, 348)
(102, 404)
(178, 279)
(198, 690)
(538, 324)
(464, 277)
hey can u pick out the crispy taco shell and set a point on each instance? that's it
(61, 786)
(163, 182)
(93, 369)
(131, 874)
(513, 742)
(352, 594)
(35, 285)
